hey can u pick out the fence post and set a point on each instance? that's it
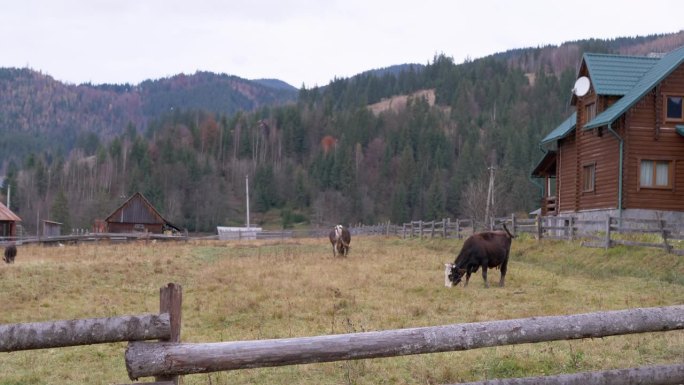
(432, 232)
(513, 223)
(420, 229)
(458, 228)
(170, 301)
(444, 228)
(539, 227)
(663, 233)
(571, 223)
(607, 241)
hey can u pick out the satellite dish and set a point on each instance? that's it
(581, 86)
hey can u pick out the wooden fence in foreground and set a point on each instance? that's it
(164, 327)
(169, 358)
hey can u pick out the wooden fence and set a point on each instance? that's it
(169, 358)
(604, 233)
(145, 359)
(445, 228)
(164, 327)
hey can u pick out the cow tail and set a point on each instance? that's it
(508, 232)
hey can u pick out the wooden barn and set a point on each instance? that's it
(137, 214)
(621, 152)
(8, 222)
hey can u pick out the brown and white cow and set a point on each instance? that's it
(488, 249)
(340, 239)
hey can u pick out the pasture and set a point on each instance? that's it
(275, 289)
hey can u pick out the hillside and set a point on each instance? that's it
(38, 113)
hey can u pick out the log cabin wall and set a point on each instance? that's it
(651, 136)
(566, 175)
(600, 149)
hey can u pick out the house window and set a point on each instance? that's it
(590, 112)
(655, 174)
(673, 108)
(588, 177)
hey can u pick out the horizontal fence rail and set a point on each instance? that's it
(56, 334)
(162, 358)
(651, 375)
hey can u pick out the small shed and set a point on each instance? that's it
(137, 214)
(8, 222)
(52, 228)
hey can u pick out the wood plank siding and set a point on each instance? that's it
(601, 149)
(567, 173)
(650, 136)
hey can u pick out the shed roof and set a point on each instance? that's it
(563, 130)
(650, 79)
(616, 74)
(136, 209)
(7, 214)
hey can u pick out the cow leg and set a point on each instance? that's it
(504, 268)
(484, 275)
(468, 272)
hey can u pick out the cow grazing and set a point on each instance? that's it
(487, 250)
(10, 253)
(340, 239)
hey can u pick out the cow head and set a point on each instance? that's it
(452, 275)
(338, 231)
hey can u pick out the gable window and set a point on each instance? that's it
(655, 173)
(590, 112)
(673, 108)
(588, 177)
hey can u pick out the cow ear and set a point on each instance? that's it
(461, 271)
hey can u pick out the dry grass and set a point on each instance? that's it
(254, 290)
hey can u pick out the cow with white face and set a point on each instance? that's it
(340, 239)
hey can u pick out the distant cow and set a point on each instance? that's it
(10, 253)
(340, 239)
(487, 250)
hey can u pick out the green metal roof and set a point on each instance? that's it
(650, 79)
(616, 75)
(563, 130)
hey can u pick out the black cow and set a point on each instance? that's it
(487, 249)
(10, 253)
(340, 239)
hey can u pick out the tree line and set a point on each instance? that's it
(327, 157)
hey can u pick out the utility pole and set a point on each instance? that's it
(490, 194)
(247, 194)
(9, 192)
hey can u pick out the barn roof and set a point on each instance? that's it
(660, 70)
(7, 214)
(137, 209)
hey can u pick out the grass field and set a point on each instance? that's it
(258, 289)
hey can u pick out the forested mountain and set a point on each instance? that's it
(40, 114)
(346, 152)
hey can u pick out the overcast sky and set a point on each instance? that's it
(299, 41)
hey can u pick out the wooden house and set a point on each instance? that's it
(621, 152)
(137, 214)
(8, 222)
